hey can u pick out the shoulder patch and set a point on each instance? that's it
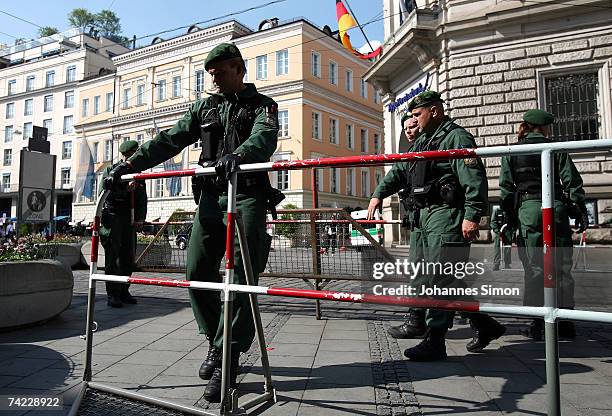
(470, 162)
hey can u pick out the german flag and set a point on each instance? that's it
(346, 22)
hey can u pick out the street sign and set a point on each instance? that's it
(36, 205)
(36, 187)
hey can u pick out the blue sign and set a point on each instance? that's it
(409, 95)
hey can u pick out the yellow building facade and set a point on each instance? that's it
(325, 109)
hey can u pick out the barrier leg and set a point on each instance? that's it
(228, 299)
(270, 393)
(91, 298)
(551, 335)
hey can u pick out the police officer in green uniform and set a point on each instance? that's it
(118, 234)
(521, 187)
(236, 125)
(451, 197)
(502, 233)
(397, 180)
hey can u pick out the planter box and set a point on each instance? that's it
(33, 291)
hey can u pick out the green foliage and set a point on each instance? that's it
(108, 23)
(47, 31)
(80, 18)
(287, 230)
(27, 248)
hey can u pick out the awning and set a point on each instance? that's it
(61, 217)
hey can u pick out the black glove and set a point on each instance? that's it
(114, 176)
(582, 222)
(227, 165)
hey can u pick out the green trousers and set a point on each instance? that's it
(531, 253)
(440, 241)
(206, 249)
(118, 238)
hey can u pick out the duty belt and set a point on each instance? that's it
(538, 195)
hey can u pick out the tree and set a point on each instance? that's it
(108, 23)
(80, 18)
(47, 31)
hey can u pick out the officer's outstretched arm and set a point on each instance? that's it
(261, 144)
(571, 179)
(394, 181)
(169, 143)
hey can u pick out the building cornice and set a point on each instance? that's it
(179, 108)
(40, 92)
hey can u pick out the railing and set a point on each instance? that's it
(549, 312)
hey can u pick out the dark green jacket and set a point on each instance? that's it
(395, 180)
(470, 172)
(258, 147)
(569, 175)
(140, 196)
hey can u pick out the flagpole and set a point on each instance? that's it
(358, 24)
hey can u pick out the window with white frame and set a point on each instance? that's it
(48, 103)
(69, 99)
(377, 143)
(8, 134)
(316, 125)
(140, 94)
(108, 150)
(12, 86)
(71, 73)
(50, 79)
(176, 86)
(161, 89)
(376, 97)
(319, 175)
(283, 123)
(8, 157)
(364, 140)
(158, 188)
(127, 97)
(140, 139)
(10, 110)
(348, 84)
(27, 131)
(350, 137)
(280, 178)
(365, 183)
(109, 101)
(262, 67)
(68, 125)
(66, 150)
(316, 65)
(282, 62)
(363, 88)
(333, 73)
(94, 152)
(199, 83)
(28, 107)
(48, 124)
(6, 182)
(85, 107)
(333, 130)
(350, 181)
(96, 104)
(334, 180)
(30, 83)
(65, 177)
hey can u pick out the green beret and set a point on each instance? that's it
(423, 99)
(222, 52)
(538, 117)
(128, 146)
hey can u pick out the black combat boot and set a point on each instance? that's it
(212, 361)
(486, 329)
(126, 297)
(432, 348)
(114, 301)
(413, 327)
(212, 392)
(567, 329)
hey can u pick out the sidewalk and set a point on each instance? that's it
(345, 364)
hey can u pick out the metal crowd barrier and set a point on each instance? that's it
(549, 312)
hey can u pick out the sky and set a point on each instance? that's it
(143, 18)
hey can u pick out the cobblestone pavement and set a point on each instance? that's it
(344, 364)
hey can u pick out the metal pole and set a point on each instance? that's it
(315, 190)
(228, 297)
(250, 280)
(550, 295)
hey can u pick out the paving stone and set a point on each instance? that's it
(127, 372)
(345, 335)
(149, 357)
